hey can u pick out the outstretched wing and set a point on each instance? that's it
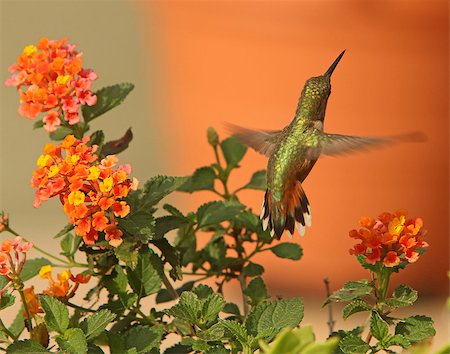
(260, 140)
(337, 144)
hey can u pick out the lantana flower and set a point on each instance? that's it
(50, 78)
(62, 288)
(13, 254)
(32, 302)
(390, 239)
(90, 191)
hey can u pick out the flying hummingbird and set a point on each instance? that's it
(293, 152)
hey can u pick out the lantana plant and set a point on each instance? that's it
(124, 244)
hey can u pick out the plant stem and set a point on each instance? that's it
(169, 286)
(7, 331)
(243, 285)
(80, 307)
(25, 305)
(330, 322)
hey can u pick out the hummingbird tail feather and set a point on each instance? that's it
(292, 211)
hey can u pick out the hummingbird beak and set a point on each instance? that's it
(333, 66)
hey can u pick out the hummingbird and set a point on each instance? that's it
(293, 152)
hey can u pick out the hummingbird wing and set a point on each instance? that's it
(262, 141)
(337, 144)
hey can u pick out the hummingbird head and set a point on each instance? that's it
(317, 90)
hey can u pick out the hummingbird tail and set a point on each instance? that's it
(292, 211)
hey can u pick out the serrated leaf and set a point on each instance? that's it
(158, 187)
(217, 350)
(378, 327)
(398, 340)
(287, 250)
(202, 179)
(107, 98)
(351, 291)
(403, 295)
(143, 338)
(94, 349)
(275, 314)
(26, 347)
(178, 349)
(203, 291)
(114, 147)
(123, 303)
(168, 223)
(139, 224)
(215, 212)
(257, 181)
(357, 305)
(352, 344)
(60, 133)
(69, 244)
(197, 345)
(95, 324)
(256, 290)
(65, 230)
(233, 151)
(145, 279)
(231, 308)
(239, 332)
(127, 252)
(18, 324)
(116, 282)
(72, 341)
(32, 267)
(56, 313)
(213, 333)
(6, 300)
(416, 328)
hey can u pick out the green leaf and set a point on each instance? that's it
(357, 305)
(139, 224)
(26, 347)
(233, 151)
(178, 349)
(351, 290)
(217, 350)
(145, 279)
(378, 327)
(60, 133)
(416, 328)
(275, 314)
(127, 252)
(239, 332)
(258, 181)
(202, 179)
(32, 268)
(231, 308)
(397, 340)
(403, 295)
(72, 341)
(256, 291)
(65, 230)
(327, 347)
(114, 147)
(38, 124)
(213, 333)
(107, 98)
(69, 244)
(144, 338)
(6, 300)
(97, 138)
(252, 269)
(94, 349)
(288, 250)
(352, 344)
(56, 313)
(158, 187)
(18, 324)
(215, 212)
(95, 324)
(116, 282)
(213, 137)
(124, 302)
(168, 223)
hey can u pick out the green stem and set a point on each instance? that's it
(243, 285)
(25, 305)
(169, 287)
(383, 283)
(7, 331)
(80, 307)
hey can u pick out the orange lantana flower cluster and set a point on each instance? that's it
(12, 259)
(62, 288)
(50, 78)
(390, 239)
(90, 191)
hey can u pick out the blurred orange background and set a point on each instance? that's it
(246, 63)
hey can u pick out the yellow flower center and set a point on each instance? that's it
(62, 80)
(76, 198)
(53, 171)
(45, 271)
(94, 172)
(397, 225)
(72, 159)
(43, 160)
